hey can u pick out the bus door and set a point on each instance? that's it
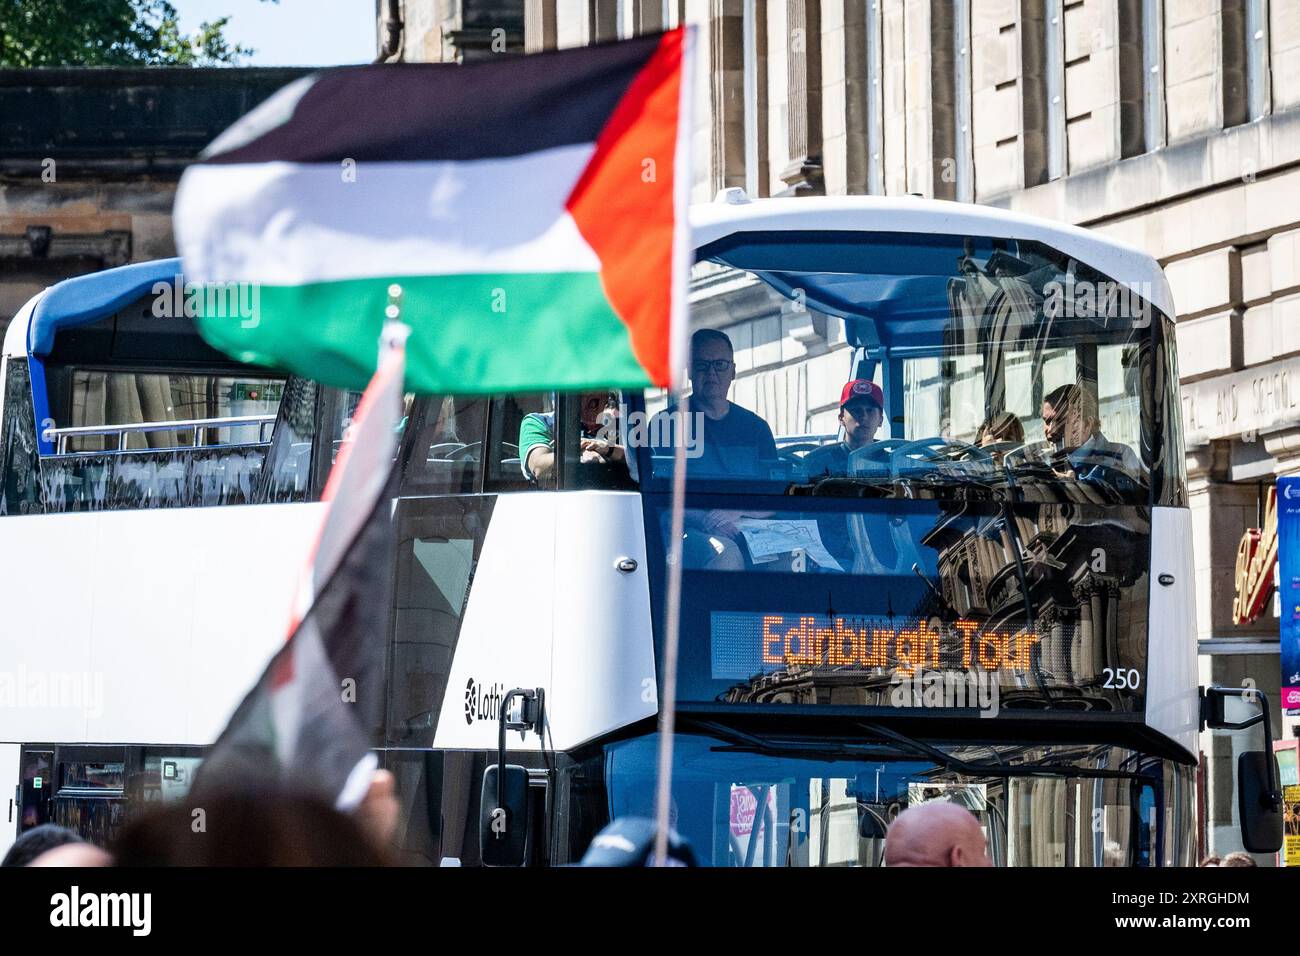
(91, 791)
(36, 783)
(11, 793)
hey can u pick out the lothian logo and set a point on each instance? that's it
(470, 699)
(482, 703)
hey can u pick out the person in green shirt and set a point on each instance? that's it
(601, 457)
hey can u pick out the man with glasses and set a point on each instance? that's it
(733, 442)
(734, 439)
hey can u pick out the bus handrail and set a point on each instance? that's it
(60, 436)
(128, 452)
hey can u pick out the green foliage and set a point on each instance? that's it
(108, 33)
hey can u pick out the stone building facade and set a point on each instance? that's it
(448, 31)
(90, 159)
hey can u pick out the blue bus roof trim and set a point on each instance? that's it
(86, 299)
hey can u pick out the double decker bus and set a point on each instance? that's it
(984, 596)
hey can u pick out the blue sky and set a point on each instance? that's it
(291, 32)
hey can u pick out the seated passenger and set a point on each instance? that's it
(1002, 428)
(862, 410)
(603, 461)
(731, 441)
(444, 425)
(734, 440)
(1072, 423)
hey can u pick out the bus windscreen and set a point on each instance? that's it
(920, 473)
(916, 604)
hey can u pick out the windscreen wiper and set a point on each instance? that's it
(982, 769)
(781, 748)
(865, 486)
(898, 742)
(842, 486)
(1013, 531)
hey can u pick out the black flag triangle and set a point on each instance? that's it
(310, 721)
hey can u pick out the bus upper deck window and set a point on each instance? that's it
(520, 425)
(444, 439)
(287, 473)
(592, 441)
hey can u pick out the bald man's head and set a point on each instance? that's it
(73, 854)
(936, 834)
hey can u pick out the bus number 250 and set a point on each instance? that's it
(1121, 679)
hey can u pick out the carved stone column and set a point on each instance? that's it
(1215, 557)
(803, 177)
(539, 25)
(856, 92)
(727, 79)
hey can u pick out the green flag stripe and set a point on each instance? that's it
(480, 333)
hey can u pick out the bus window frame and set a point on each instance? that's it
(62, 376)
(19, 414)
(421, 408)
(1168, 485)
(133, 757)
(568, 417)
(328, 402)
(315, 474)
(567, 436)
(503, 485)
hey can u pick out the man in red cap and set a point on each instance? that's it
(862, 405)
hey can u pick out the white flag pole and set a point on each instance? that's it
(683, 256)
(672, 630)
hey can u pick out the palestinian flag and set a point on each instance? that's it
(532, 209)
(310, 721)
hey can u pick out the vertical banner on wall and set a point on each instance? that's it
(1288, 557)
(1287, 753)
(1291, 826)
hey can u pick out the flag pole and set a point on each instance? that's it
(672, 630)
(394, 332)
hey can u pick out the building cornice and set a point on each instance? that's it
(1119, 189)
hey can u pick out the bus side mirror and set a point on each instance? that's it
(505, 809)
(1258, 803)
(503, 822)
(1259, 792)
(1214, 707)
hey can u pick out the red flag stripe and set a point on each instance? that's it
(355, 481)
(632, 233)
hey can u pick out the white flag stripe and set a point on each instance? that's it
(286, 700)
(358, 783)
(290, 223)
